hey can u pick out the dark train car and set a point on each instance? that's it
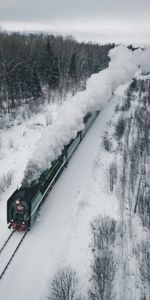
(23, 205)
(88, 121)
(19, 208)
(46, 182)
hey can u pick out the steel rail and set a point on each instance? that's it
(16, 249)
(6, 241)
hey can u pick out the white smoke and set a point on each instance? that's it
(122, 67)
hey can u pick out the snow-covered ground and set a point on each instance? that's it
(61, 234)
(17, 145)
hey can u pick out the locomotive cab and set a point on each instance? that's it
(18, 211)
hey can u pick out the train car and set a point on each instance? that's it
(19, 208)
(24, 203)
(88, 121)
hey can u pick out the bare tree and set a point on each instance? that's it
(5, 181)
(145, 262)
(64, 285)
(103, 272)
(104, 232)
(113, 175)
(104, 264)
(120, 128)
(107, 142)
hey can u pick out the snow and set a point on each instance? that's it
(17, 145)
(99, 88)
(9, 249)
(61, 234)
(128, 281)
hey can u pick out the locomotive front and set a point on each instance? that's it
(18, 211)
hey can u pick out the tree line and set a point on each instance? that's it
(65, 283)
(29, 62)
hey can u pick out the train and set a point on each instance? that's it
(24, 203)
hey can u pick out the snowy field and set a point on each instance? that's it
(61, 234)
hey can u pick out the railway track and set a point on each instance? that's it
(9, 249)
(4, 245)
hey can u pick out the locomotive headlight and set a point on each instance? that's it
(12, 221)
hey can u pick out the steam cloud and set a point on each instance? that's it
(122, 67)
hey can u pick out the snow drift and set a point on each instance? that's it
(122, 67)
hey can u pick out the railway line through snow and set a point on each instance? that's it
(9, 249)
(60, 234)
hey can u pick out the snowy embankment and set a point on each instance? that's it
(136, 169)
(61, 234)
(129, 143)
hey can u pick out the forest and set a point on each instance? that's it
(31, 62)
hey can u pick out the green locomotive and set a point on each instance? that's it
(24, 203)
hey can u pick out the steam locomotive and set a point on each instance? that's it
(24, 203)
